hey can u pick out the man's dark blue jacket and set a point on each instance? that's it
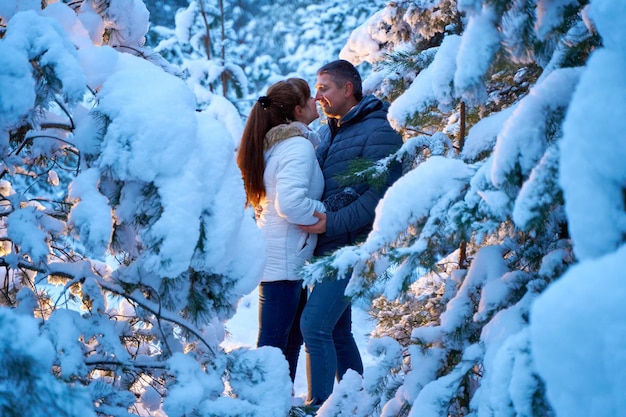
(363, 133)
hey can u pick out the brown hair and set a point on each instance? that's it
(277, 107)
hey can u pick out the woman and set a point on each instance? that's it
(283, 183)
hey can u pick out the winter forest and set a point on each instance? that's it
(494, 274)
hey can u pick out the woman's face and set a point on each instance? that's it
(308, 112)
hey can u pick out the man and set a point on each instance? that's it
(357, 129)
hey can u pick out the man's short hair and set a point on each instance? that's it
(342, 71)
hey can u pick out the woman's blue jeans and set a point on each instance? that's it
(331, 350)
(280, 307)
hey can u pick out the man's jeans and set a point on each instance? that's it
(280, 307)
(327, 329)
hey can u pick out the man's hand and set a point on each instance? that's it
(319, 227)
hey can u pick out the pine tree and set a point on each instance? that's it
(125, 242)
(478, 228)
(201, 46)
(265, 41)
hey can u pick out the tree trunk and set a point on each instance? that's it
(206, 39)
(461, 143)
(224, 74)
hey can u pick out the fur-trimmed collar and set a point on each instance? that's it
(289, 130)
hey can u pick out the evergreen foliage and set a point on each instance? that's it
(201, 45)
(263, 42)
(463, 266)
(113, 281)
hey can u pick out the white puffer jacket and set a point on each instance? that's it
(293, 185)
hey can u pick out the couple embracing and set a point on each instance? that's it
(290, 177)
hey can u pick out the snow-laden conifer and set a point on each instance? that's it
(505, 81)
(125, 242)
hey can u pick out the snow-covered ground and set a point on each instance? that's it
(243, 327)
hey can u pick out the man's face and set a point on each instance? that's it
(332, 98)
